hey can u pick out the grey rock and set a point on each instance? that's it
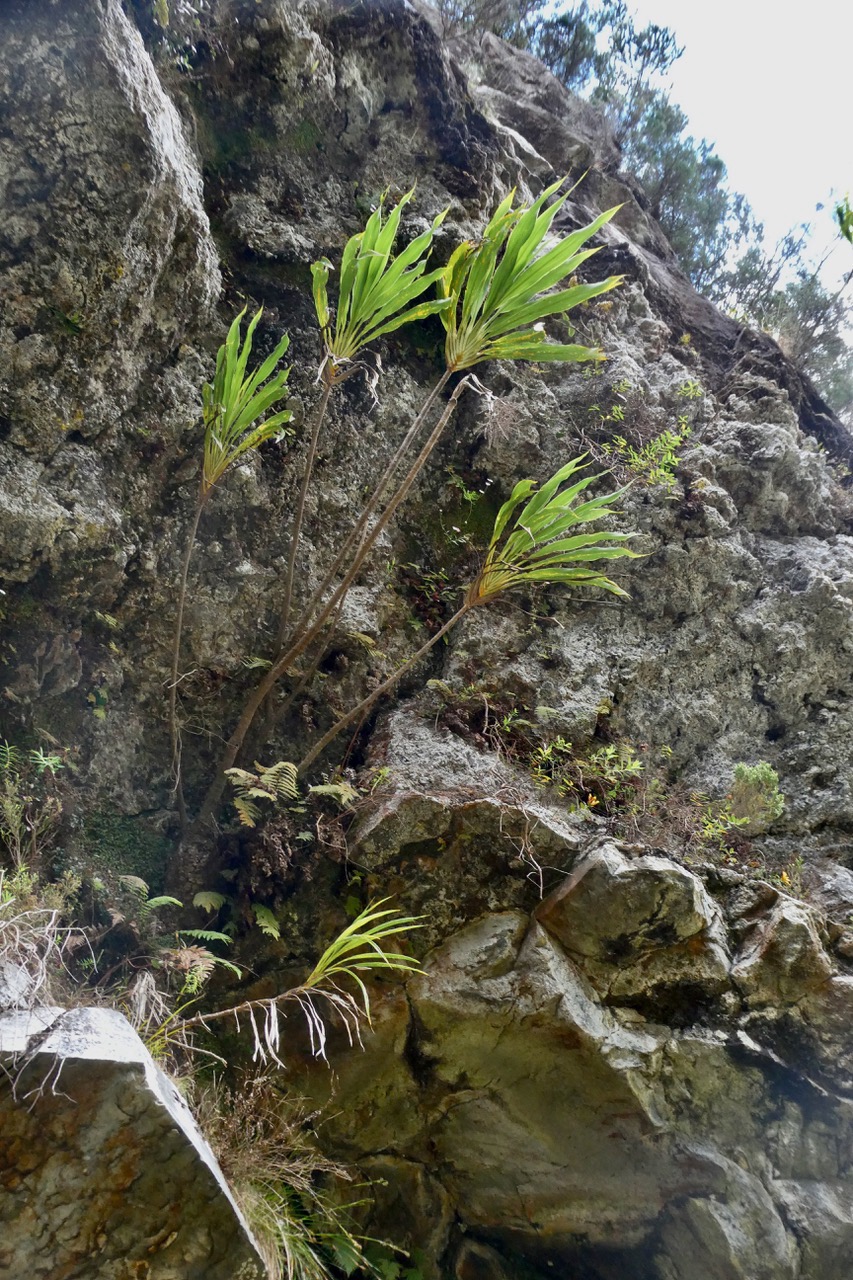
(638, 924)
(731, 1236)
(102, 1165)
(783, 958)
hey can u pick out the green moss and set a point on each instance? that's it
(22, 608)
(225, 142)
(305, 136)
(120, 845)
(453, 526)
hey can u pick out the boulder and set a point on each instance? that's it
(102, 1168)
(637, 925)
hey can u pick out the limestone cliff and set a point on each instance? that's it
(616, 1062)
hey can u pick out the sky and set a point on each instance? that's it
(770, 86)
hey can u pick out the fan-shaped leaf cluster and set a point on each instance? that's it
(498, 288)
(234, 405)
(539, 547)
(376, 290)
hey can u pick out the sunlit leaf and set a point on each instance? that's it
(533, 549)
(502, 286)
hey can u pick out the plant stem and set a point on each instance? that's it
(352, 537)
(174, 731)
(307, 637)
(362, 522)
(367, 703)
(300, 507)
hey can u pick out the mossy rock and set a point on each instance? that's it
(119, 846)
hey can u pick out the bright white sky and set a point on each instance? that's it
(770, 85)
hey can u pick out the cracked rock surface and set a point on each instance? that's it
(615, 1064)
(103, 1171)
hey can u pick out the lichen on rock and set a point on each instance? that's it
(616, 1061)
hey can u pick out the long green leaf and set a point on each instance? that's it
(375, 287)
(517, 496)
(534, 548)
(319, 280)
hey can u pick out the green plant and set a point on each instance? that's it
(547, 762)
(277, 782)
(213, 903)
(535, 548)
(496, 312)
(613, 767)
(385, 1266)
(138, 888)
(180, 954)
(604, 776)
(471, 496)
(34, 937)
(615, 413)
(374, 299)
(283, 1184)
(654, 462)
(715, 822)
(691, 390)
(491, 307)
(532, 551)
(755, 799)
(237, 420)
(358, 949)
(376, 290)
(30, 808)
(791, 877)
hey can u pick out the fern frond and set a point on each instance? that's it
(281, 778)
(340, 791)
(136, 885)
(209, 900)
(247, 811)
(278, 782)
(206, 935)
(266, 921)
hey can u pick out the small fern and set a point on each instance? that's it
(278, 782)
(340, 791)
(266, 921)
(209, 900)
(206, 935)
(139, 889)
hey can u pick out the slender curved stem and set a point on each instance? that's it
(306, 638)
(367, 703)
(352, 537)
(174, 731)
(319, 417)
(361, 524)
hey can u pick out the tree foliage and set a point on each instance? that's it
(597, 49)
(686, 183)
(513, 20)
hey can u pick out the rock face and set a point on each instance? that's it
(623, 1083)
(614, 1064)
(102, 1168)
